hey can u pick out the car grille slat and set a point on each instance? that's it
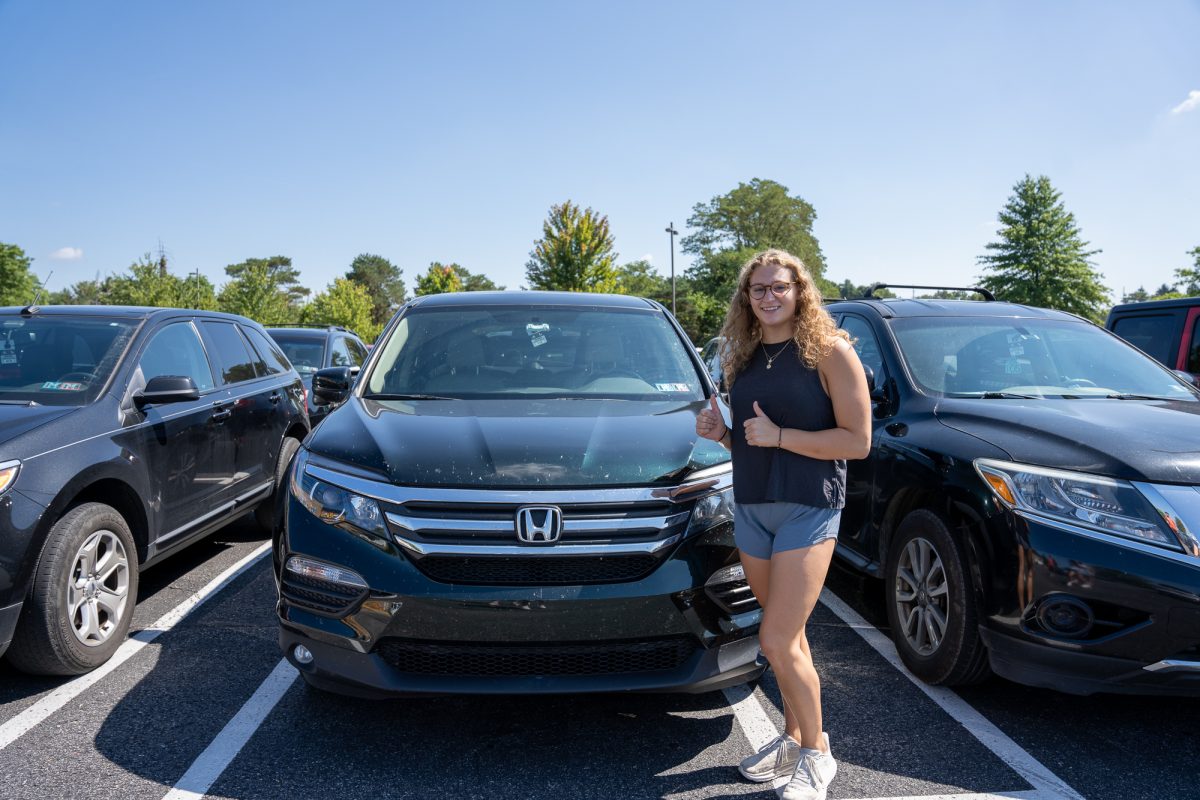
(605, 658)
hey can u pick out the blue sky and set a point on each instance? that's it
(422, 132)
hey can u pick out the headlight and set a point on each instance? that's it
(1091, 501)
(8, 474)
(335, 505)
(711, 510)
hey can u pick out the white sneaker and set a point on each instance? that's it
(814, 772)
(776, 760)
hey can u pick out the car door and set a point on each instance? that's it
(253, 411)
(180, 443)
(860, 473)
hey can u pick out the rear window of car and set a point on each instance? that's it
(232, 355)
(306, 353)
(270, 353)
(551, 351)
(1153, 334)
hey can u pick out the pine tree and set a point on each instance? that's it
(575, 253)
(1041, 259)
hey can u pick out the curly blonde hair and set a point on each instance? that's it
(813, 328)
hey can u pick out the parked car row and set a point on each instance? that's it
(314, 347)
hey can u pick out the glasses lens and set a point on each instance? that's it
(757, 291)
(780, 289)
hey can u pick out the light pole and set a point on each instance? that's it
(671, 230)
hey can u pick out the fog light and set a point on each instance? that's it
(1064, 615)
(317, 570)
(302, 654)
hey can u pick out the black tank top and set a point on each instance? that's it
(791, 395)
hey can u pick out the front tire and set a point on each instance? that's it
(82, 596)
(932, 608)
(269, 510)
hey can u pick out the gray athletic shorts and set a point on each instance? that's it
(761, 529)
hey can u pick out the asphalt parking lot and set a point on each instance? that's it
(199, 703)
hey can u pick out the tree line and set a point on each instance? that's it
(1038, 258)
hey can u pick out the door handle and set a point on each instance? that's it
(276, 397)
(221, 413)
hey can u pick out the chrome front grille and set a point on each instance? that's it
(495, 522)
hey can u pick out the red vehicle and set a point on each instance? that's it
(1166, 330)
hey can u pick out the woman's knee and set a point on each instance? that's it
(781, 645)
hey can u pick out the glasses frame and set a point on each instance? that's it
(770, 288)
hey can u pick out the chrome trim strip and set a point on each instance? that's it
(1173, 665)
(589, 525)
(1121, 541)
(241, 498)
(223, 509)
(391, 493)
(536, 551)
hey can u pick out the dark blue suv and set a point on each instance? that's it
(125, 434)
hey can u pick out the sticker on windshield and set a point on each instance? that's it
(63, 386)
(537, 333)
(671, 387)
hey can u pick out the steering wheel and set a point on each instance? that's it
(76, 377)
(1080, 382)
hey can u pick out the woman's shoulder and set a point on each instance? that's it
(840, 353)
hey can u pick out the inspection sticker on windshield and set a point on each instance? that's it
(671, 387)
(63, 386)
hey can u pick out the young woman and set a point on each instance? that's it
(800, 408)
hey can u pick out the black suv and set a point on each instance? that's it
(1164, 329)
(1031, 498)
(512, 498)
(125, 434)
(315, 347)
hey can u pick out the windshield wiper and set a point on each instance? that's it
(996, 395)
(1132, 396)
(20, 402)
(407, 397)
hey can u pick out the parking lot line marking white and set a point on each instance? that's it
(1042, 779)
(221, 751)
(24, 722)
(1028, 794)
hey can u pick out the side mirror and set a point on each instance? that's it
(870, 373)
(332, 384)
(166, 389)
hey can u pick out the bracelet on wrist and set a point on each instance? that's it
(779, 444)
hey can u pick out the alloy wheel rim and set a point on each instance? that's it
(922, 596)
(98, 588)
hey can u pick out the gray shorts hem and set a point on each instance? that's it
(763, 529)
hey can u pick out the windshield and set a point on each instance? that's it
(306, 353)
(553, 351)
(995, 357)
(61, 361)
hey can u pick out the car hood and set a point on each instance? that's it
(518, 443)
(17, 420)
(1131, 439)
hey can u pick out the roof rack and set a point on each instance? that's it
(987, 295)
(311, 325)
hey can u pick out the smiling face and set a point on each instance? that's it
(775, 314)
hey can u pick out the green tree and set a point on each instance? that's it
(345, 302)
(1041, 259)
(196, 291)
(1189, 277)
(575, 253)
(473, 281)
(96, 292)
(439, 279)
(849, 290)
(256, 292)
(149, 282)
(755, 216)
(1139, 296)
(17, 282)
(640, 279)
(384, 282)
(276, 271)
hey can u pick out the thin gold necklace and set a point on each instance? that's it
(778, 353)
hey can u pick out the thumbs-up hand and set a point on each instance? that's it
(709, 422)
(760, 431)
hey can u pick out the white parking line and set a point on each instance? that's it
(24, 722)
(759, 729)
(219, 754)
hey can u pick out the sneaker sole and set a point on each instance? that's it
(767, 778)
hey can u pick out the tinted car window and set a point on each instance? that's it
(865, 343)
(339, 355)
(1193, 356)
(1152, 334)
(176, 350)
(358, 353)
(967, 356)
(549, 351)
(232, 356)
(275, 360)
(306, 353)
(59, 360)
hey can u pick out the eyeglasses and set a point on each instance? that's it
(759, 290)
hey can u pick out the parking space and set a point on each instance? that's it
(206, 707)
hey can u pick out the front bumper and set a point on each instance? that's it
(1130, 614)
(409, 634)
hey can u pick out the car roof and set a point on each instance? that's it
(1150, 305)
(530, 297)
(901, 307)
(136, 312)
(305, 333)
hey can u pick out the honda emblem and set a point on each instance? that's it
(539, 524)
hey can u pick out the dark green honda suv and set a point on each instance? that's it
(512, 498)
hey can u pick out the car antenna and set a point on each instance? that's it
(37, 295)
